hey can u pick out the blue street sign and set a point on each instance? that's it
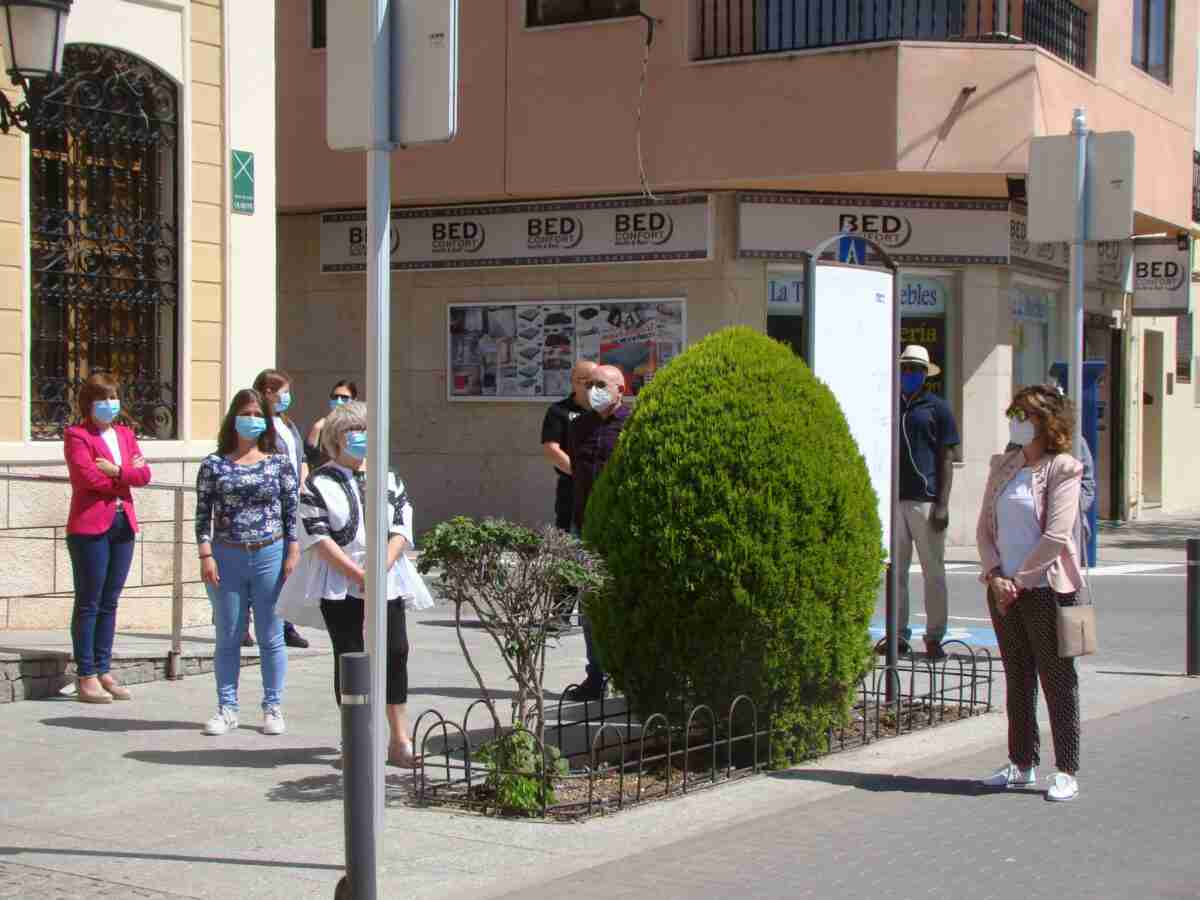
(852, 250)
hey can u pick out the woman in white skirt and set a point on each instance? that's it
(327, 588)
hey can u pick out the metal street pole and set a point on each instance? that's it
(378, 351)
(1079, 131)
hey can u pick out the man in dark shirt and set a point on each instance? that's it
(929, 447)
(555, 428)
(593, 438)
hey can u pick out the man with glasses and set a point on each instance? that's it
(929, 448)
(592, 440)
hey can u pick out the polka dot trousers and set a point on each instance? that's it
(1028, 638)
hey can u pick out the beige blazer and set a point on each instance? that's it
(1056, 482)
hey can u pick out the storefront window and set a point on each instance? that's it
(1034, 335)
(785, 308)
(924, 300)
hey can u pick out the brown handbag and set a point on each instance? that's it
(1077, 623)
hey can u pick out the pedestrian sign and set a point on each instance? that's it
(852, 250)
(243, 182)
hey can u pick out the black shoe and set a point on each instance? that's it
(904, 649)
(292, 637)
(591, 689)
(934, 651)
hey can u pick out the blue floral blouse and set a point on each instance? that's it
(246, 504)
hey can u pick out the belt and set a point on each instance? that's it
(250, 545)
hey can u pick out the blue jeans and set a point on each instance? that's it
(100, 565)
(248, 578)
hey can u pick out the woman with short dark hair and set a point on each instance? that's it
(246, 538)
(1028, 538)
(104, 462)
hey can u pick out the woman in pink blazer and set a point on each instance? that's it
(1028, 547)
(104, 461)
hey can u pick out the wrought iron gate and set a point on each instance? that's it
(104, 233)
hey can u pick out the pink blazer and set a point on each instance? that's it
(93, 494)
(1056, 482)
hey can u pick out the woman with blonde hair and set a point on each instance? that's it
(1028, 539)
(328, 588)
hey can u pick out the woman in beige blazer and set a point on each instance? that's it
(1027, 537)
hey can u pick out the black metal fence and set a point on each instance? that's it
(617, 760)
(747, 27)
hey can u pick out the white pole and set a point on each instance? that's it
(379, 200)
(1075, 376)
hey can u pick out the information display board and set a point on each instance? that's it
(525, 351)
(853, 350)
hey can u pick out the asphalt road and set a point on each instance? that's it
(1141, 613)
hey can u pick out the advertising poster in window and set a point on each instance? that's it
(923, 302)
(525, 351)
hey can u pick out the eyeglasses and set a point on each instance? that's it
(1017, 414)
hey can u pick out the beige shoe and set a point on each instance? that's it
(117, 691)
(92, 696)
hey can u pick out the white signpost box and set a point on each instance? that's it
(391, 80)
(1096, 204)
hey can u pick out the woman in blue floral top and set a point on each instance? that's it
(246, 537)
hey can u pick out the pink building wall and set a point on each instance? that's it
(550, 112)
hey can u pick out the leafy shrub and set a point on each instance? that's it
(516, 581)
(516, 770)
(742, 537)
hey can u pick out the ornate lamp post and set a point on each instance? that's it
(33, 33)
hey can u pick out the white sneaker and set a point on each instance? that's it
(1063, 787)
(224, 721)
(1011, 776)
(273, 721)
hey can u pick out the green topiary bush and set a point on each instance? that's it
(742, 536)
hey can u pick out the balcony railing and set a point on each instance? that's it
(1196, 185)
(748, 27)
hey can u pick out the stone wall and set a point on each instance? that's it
(36, 581)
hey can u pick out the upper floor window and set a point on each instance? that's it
(317, 15)
(1152, 21)
(560, 12)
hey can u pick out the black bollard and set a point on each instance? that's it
(359, 881)
(1193, 606)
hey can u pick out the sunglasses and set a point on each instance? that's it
(340, 398)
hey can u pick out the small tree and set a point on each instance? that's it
(516, 581)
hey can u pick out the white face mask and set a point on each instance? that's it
(1022, 433)
(599, 398)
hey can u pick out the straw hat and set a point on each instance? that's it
(915, 353)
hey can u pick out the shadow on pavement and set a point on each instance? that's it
(450, 623)
(907, 784)
(165, 636)
(237, 757)
(168, 857)
(86, 723)
(328, 788)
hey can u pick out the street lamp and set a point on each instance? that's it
(34, 33)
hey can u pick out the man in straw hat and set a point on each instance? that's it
(929, 447)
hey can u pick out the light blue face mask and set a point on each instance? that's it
(250, 427)
(356, 444)
(104, 411)
(335, 402)
(284, 401)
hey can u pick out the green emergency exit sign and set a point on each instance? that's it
(243, 182)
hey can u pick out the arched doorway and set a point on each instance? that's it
(104, 239)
